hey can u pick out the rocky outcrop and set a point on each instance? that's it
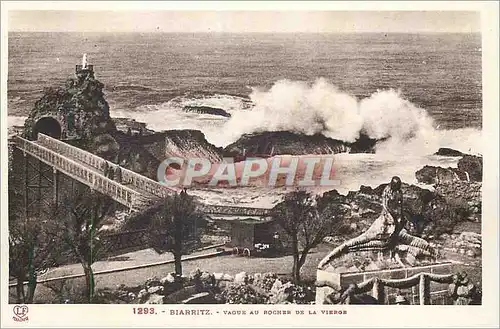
(364, 144)
(468, 243)
(459, 186)
(188, 143)
(435, 175)
(207, 110)
(473, 167)
(467, 194)
(428, 213)
(201, 287)
(286, 142)
(143, 152)
(469, 168)
(79, 107)
(445, 151)
(131, 127)
(137, 155)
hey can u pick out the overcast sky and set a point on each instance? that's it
(244, 21)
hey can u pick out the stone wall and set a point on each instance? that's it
(329, 282)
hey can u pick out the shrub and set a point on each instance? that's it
(302, 294)
(67, 291)
(266, 281)
(240, 294)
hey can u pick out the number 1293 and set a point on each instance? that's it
(144, 310)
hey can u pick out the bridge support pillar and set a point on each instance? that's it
(26, 175)
(55, 184)
(39, 184)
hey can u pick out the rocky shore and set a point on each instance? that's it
(461, 185)
(201, 287)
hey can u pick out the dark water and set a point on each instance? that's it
(438, 72)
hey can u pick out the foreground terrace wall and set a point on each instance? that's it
(327, 282)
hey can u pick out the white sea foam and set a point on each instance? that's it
(15, 121)
(170, 115)
(322, 108)
(309, 108)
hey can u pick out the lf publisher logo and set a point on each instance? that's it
(20, 313)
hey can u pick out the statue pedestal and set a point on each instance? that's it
(330, 280)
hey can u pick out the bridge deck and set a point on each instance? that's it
(129, 196)
(133, 190)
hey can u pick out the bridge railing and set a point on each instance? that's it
(118, 192)
(127, 176)
(72, 152)
(145, 184)
(234, 210)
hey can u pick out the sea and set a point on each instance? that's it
(419, 91)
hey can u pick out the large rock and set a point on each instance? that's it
(241, 278)
(218, 276)
(444, 151)
(470, 237)
(189, 143)
(180, 295)
(152, 282)
(170, 278)
(131, 126)
(223, 277)
(466, 194)
(207, 110)
(155, 290)
(170, 287)
(195, 274)
(200, 298)
(436, 175)
(280, 292)
(155, 299)
(207, 278)
(143, 294)
(286, 142)
(227, 277)
(104, 146)
(469, 168)
(428, 212)
(79, 107)
(473, 166)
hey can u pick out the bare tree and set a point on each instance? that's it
(174, 225)
(307, 221)
(81, 214)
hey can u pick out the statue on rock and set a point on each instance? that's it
(84, 61)
(387, 234)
